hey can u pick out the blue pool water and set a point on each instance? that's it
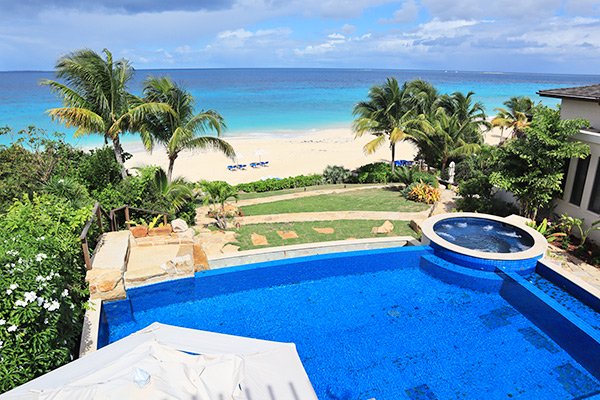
(268, 101)
(370, 325)
(577, 307)
(483, 235)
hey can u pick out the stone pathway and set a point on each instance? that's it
(577, 267)
(287, 235)
(324, 231)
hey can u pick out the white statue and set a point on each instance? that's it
(451, 172)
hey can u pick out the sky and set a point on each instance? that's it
(557, 36)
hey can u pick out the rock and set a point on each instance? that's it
(103, 280)
(386, 227)
(200, 259)
(178, 264)
(179, 225)
(415, 225)
(230, 248)
(188, 233)
(287, 234)
(259, 240)
(325, 231)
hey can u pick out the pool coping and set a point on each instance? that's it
(308, 249)
(538, 249)
(570, 277)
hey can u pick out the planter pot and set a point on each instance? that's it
(139, 231)
(160, 230)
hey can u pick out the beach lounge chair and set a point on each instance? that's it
(264, 163)
(254, 164)
(232, 167)
(241, 166)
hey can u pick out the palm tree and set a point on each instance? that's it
(96, 99)
(218, 192)
(181, 129)
(450, 139)
(516, 116)
(470, 113)
(389, 116)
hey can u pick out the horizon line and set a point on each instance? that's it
(329, 68)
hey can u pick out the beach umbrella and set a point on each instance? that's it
(259, 153)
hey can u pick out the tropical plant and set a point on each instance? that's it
(568, 223)
(180, 129)
(422, 193)
(408, 176)
(174, 194)
(546, 230)
(336, 174)
(469, 113)
(273, 184)
(530, 166)
(69, 189)
(218, 192)
(389, 116)
(515, 116)
(96, 100)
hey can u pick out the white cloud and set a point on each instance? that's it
(408, 12)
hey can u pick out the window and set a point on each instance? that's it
(579, 183)
(594, 205)
(565, 171)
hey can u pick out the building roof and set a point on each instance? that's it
(588, 93)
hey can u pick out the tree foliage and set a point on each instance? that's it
(531, 166)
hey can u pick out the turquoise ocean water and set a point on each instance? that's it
(274, 101)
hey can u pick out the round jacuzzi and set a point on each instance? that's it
(484, 242)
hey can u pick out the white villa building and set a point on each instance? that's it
(581, 195)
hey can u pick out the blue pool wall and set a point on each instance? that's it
(574, 290)
(266, 274)
(524, 266)
(571, 333)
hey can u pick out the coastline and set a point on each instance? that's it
(289, 154)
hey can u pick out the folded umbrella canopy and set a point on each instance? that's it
(166, 362)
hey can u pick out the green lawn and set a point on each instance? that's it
(360, 200)
(344, 229)
(244, 196)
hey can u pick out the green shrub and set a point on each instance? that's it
(269, 185)
(374, 173)
(336, 174)
(99, 168)
(42, 286)
(409, 176)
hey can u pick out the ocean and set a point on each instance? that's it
(276, 101)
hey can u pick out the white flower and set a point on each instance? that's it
(30, 297)
(12, 252)
(40, 257)
(40, 301)
(1, 344)
(46, 321)
(13, 286)
(12, 328)
(2, 321)
(20, 303)
(55, 305)
(65, 293)
(39, 278)
(8, 291)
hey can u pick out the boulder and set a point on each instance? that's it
(386, 227)
(230, 248)
(139, 231)
(160, 230)
(200, 259)
(179, 225)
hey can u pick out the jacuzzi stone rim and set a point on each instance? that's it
(536, 250)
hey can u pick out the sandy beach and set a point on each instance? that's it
(288, 154)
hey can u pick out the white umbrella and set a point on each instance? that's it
(259, 153)
(168, 362)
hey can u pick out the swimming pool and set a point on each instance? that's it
(372, 324)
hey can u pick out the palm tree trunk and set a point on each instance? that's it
(119, 155)
(393, 163)
(171, 164)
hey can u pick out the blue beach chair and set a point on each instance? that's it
(232, 167)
